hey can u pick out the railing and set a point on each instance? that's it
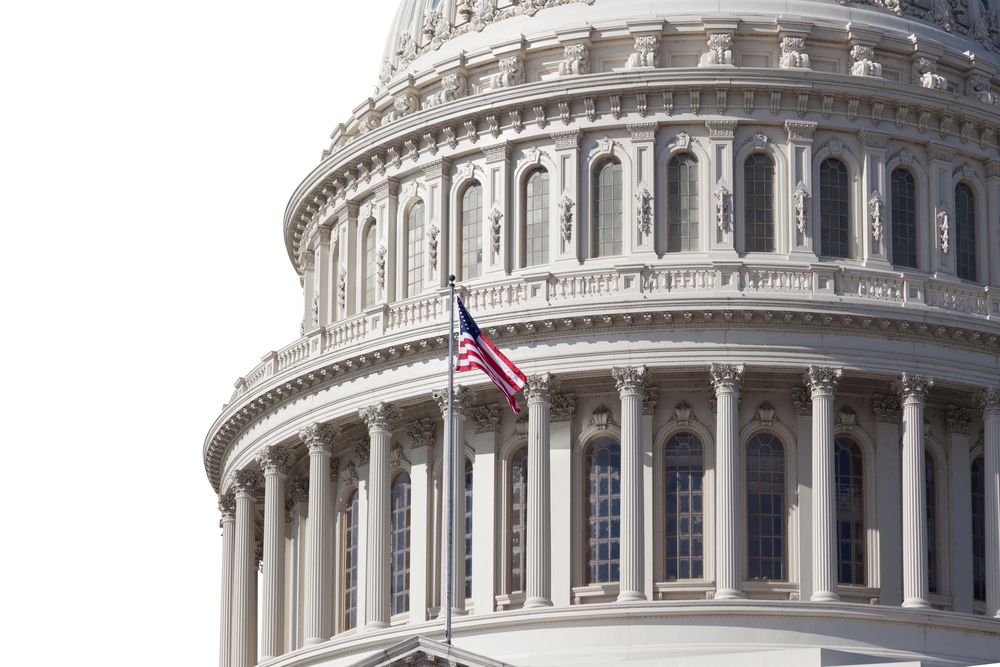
(516, 292)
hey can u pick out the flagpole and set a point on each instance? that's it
(449, 485)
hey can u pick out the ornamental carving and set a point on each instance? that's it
(650, 396)
(350, 473)
(274, 460)
(875, 205)
(722, 198)
(885, 409)
(540, 388)
(601, 419)
(630, 379)
(720, 46)
(421, 433)
(453, 87)
(342, 288)
(822, 380)
(957, 420)
(319, 436)
(978, 87)
(227, 506)
(397, 457)
(792, 53)
(563, 408)
(576, 60)
(802, 402)
(683, 414)
(801, 198)
(644, 212)
(943, 226)
(379, 417)
(847, 416)
(511, 73)
(912, 387)
(988, 400)
(765, 414)
(924, 74)
(647, 53)
(432, 234)
(566, 218)
(363, 450)
(334, 470)
(462, 400)
(487, 419)
(380, 262)
(864, 61)
(245, 482)
(727, 378)
(495, 217)
(298, 490)
(436, 29)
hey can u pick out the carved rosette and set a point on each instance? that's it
(822, 380)
(227, 506)
(727, 378)
(319, 436)
(421, 433)
(988, 400)
(631, 380)
(245, 482)
(885, 409)
(802, 402)
(274, 460)
(912, 387)
(379, 417)
(363, 450)
(540, 388)
(957, 420)
(563, 408)
(461, 401)
(650, 396)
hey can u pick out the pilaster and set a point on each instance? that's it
(561, 415)
(993, 204)
(437, 180)
(802, 404)
(421, 434)
(989, 403)
(497, 214)
(961, 521)
(484, 494)
(873, 233)
(942, 257)
(721, 134)
(387, 201)
(644, 205)
(799, 156)
(887, 414)
(565, 189)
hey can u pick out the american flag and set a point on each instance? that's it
(476, 351)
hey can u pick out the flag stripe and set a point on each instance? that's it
(475, 351)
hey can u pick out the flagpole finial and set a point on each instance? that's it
(451, 280)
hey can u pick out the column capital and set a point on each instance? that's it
(563, 408)
(461, 401)
(957, 420)
(379, 416)
(274, 460)
(630, 379)
(885, 409)
(421, 433)
(802, 402)
(649, 398)
(540, 388)
(319, 437)
(822, 380)
(912, 387)
(988, 399)
(227, 506)
(727, 378)
(363, 450)
(487, 419)
(245, 482)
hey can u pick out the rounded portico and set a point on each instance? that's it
(750, 267)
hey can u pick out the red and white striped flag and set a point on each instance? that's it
(476, 351)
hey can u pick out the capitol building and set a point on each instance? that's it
(747, 255)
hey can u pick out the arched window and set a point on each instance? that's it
(849, 483)
(682, 203)
(833, 208)
(766, 508)
(400, 543)
(518, 517)
(472, 232)
(536, 218)
(904, 219)
(684, 479)
(758, 203)
(603, 466)
(965, 231)
(351, 561)
(371, 266)
(415, 249)
(931, 498)
(468, 528)
(979, 529)
(608, 207)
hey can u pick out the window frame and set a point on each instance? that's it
(698, 208)
(592, 217)
(890, 251)
(369, 264)
(522, 241)
(956, 242)
(781, 240)
(407, 255)
(460, 231)
(851, 196)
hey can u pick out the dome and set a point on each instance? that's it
(747, 260)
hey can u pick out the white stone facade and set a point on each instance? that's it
(751, 266)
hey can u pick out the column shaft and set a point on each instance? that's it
(728, 381)
(274, 461)
(538, 549)
(989, 400)
(631, 381)
(913, 391)
(227, 505)
(319, 571)
(244, 606)
(823, 383)
(380, 419)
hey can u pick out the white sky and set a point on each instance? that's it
(147, 153)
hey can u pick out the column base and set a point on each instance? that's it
(916, 603)
(631, 596)
(313, 641)
(375, 625)
(533, 603)
(824, 596)
(729, 594)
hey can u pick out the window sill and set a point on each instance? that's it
(508, 601)
(685, 589)
(770, 590)
(942, 602)
(595, 593)
(399, 619)
(859, 594)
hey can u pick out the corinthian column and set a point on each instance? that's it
(632, 381)
(989, 402)
(227, 506)
(274, 462)
(244, 609)
(454, 469)
(727, 380)
(912, 390)
(822, 382)
(319, 561)
(538, 550)
(380, 418)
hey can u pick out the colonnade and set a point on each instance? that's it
(238, 640)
